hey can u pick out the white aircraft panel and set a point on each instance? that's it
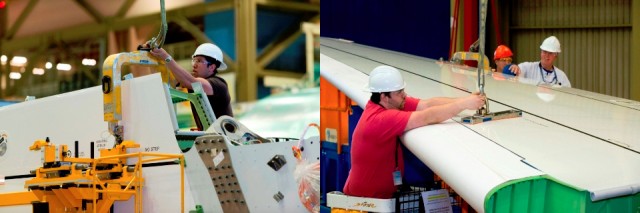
(471, 165)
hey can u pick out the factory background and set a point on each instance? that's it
(598, 37)
(54, 47)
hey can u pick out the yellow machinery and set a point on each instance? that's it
(112, 75)
(463, 56)
(111, 81)
(72, 184)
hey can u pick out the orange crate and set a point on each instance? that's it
(335, 108)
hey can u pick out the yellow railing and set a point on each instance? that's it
(136, 179)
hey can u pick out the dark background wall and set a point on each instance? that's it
(417, 27)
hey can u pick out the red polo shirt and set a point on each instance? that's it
(372, 150)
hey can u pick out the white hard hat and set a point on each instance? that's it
(211, 50)
(385, 79)
(551, 44)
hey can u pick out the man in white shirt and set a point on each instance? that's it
(543, 71)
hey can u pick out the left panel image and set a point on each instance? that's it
(159, 106)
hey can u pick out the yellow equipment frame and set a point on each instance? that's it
(69, 193)
(112, 80)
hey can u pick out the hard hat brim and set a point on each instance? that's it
(549, 50)
(367, 88)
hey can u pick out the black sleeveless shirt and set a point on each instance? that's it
(220, 101)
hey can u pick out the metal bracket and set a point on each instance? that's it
(278, 196)
(277, 162)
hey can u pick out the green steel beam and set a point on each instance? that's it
(90, 10)
(4, 77)
(27, 75)
(280, 73)
(200, 37)
(247, 79)
(289, 5)
(634, 82)
(591, 26)
(112, 23)
(124, 8)
(21, 18)
(276, 47)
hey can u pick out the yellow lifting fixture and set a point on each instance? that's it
(112, 76)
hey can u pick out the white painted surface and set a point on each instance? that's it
(200, 183)
(260, 183)
(147, 121)
(63, 118)
(575, 136)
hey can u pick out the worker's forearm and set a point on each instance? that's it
(433, 115)
(424, 104)
(443, 112)
(184, 77)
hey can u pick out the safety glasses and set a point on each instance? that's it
(507, 59)
(199, 61)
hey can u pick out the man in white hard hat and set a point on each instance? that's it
(376, 157)
(206, 62)
(543, 71)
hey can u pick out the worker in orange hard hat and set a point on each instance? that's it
(502, 57)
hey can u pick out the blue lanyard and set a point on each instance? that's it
(555, 76)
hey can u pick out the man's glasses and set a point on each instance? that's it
(199, 61)
(507, 59)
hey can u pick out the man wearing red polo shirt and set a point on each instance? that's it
(376, 157)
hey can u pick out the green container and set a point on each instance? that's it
(545, 194)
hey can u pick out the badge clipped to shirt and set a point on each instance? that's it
(397, 178)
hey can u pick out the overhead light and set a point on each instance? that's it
(15, 75)
(48, 65)
(18, 61)
(3, 59)
(88, 62)
(38, 71)
(63, 67)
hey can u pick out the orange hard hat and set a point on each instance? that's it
(502, 52)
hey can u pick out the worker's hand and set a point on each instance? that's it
(472, 102)
(159, 53)
(514, 69)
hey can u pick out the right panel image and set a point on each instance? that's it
(479, 106)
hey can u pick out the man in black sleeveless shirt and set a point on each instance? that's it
(206, 62)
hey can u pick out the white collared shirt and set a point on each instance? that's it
(532, 73)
